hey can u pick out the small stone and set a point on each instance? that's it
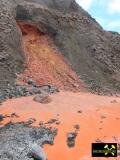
(71, 139)
(57, 123)
(77, 126)
(52, 121)
(103, 117)
(114, 101)
(30, 121)
(41, 98)
(42, 124)
(54, 89)
(36, 90)
(14, 115)
(71, 136)
(76, 85)
(31, 81)
(79, 111)
(50, 89)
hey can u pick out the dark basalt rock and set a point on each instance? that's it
(71, 139)
(18, 142)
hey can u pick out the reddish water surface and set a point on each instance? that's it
(99, 119)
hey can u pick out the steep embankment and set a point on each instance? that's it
(92, 52)
(45, 64)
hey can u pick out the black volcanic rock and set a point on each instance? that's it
(11, 54)
(92, 52)
(21, 142)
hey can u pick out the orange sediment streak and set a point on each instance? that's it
(99, 119)
(45, 64)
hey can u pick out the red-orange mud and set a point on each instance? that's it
(100, 119)
(45, 64)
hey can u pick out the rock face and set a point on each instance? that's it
(11, 55)
(92, 52)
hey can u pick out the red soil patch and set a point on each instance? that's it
(45, 64)
(99, 119)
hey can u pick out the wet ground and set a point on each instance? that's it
(98, 118)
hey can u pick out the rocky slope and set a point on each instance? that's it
(92, 52)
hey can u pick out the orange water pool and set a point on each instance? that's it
(98, 117)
